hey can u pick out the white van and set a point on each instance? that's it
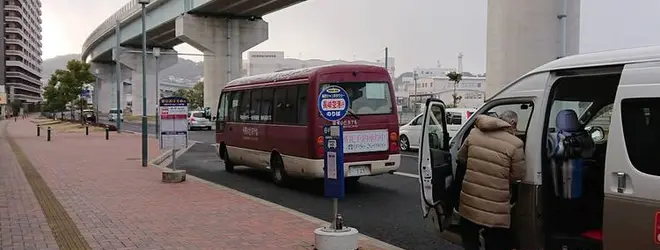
(616, 95)
(410, 132)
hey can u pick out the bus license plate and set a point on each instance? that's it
(359, 170)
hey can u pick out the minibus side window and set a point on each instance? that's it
(234, 104)
(302, 104)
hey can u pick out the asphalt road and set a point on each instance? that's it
(385, 207)
(202, 136)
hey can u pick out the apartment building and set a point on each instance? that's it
(22, 64)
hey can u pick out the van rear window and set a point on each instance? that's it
(367, 98)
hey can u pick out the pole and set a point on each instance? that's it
(118, 77)
(156, 54)
(386, 68)
(144, 87)
(562, 20)
(97, 87)
(335, 211)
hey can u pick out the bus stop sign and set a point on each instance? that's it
(333, 103)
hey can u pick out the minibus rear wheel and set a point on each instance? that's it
(229, 166)
(278, 174)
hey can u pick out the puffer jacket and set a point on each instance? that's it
(495, 159)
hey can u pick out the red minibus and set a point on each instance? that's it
(272, 122)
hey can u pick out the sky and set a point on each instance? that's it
(418, 33)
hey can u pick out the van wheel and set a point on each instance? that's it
(229, 166)
(278, 174)
(404, 143)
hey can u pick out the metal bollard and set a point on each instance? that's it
(38, 130)
(86, 129)
(48, 134)
(107, 132)
(15, 118)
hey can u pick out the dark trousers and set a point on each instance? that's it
(495, 238)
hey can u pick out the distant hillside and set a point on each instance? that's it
(184, 69)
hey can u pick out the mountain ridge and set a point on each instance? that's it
(185, 69)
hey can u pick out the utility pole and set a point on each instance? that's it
(386, 68)
(562, 21)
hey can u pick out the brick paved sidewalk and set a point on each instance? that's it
(115, 203)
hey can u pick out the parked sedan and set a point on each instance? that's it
(197, 120)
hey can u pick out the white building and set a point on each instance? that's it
(471, 89)
(261, 62)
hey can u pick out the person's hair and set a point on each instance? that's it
(509, 117)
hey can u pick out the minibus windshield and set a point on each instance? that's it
(371, 98)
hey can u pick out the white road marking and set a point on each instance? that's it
(407, 175)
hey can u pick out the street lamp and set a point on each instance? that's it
(144, 82)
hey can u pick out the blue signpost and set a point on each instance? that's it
(333, 103)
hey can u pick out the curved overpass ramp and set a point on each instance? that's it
(221, 29)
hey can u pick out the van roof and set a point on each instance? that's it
(595, 59)
(302, 73)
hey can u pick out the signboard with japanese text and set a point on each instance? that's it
(333, 103)
(174, 123)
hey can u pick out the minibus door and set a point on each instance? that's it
(434, 166)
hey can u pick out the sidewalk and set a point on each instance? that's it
(90, 193)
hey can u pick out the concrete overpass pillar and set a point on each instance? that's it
(106, 91)
(223, 41)
(134, 62)
(525, 34)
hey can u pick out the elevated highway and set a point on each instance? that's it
(221, 29)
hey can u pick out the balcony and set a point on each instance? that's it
(23, 55)
(24, 97)
(21, 75)
(25, 87)
(22, 65)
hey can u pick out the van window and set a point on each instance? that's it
(418, 120)
(558, 105)
(285, 109)
(640, 118)
(255, 105)
(523, 110)
(223, 107)
(234, 105)
(267, 105)
(454, 118)
(602, 119)
(244, 108)
(302, 104)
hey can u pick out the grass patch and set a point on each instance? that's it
(137, 118)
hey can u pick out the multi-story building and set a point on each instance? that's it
(22, 64)
(261, 62)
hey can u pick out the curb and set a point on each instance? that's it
(375, 242)
(166, 157)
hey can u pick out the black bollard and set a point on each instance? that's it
(86, 130)
(38, 130)
(107, 132)
(48, 134)
(15, 117)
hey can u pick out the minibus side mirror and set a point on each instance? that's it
(597, 133)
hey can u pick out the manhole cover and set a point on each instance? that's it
(133, 159)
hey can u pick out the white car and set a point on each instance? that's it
(197, 120)
(112, 116)
(410, 133)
